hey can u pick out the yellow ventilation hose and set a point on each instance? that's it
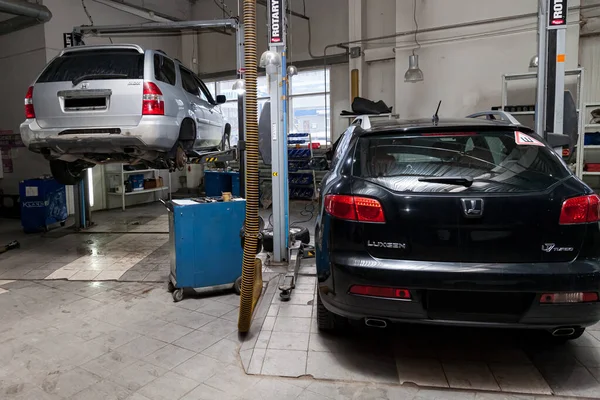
(251, 269)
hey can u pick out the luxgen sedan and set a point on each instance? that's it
(460, 222)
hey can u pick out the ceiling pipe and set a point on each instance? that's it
(27, 15)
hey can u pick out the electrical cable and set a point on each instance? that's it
(416, 26)
(223, 8)
(89, 16)
(309, 209)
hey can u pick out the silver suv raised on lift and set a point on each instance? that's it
(118, 103)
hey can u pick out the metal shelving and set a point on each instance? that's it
(122, 173)
(581, 155)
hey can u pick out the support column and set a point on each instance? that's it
(279, 148)
(356, 10)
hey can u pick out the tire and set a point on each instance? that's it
(300, 233)
(170, 287)
(178, 295)
(326, 320)
(237, 286)
(267, 235)
(66, 173)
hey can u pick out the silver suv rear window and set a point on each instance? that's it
(95, 64)
(494, 159)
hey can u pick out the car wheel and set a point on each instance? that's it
(300, 233)
(67, 173)
(326, 320)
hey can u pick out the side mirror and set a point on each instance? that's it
(221, 99)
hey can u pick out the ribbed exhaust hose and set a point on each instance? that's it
(251, 269)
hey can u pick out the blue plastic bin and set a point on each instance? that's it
(43, 203)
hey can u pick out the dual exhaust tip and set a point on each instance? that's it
(381, 324)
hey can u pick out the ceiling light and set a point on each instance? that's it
(292, 70)
(534, 62)
(239, 86)
(271, 61)
(414, 73)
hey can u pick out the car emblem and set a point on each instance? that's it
(84, 85)
(473, 208)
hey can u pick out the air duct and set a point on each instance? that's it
(27, 15)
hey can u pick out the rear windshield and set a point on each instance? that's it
(95, 64)
(480, 162)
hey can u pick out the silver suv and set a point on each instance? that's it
(119, 103)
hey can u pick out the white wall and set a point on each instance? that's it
(465, 72)
(22, 55)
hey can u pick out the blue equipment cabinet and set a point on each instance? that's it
(43, 203)
(204, 239)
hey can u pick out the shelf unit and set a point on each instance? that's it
(590, 148)
(298, 175)
(123, 174)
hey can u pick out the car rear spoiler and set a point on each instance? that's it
(496, 115)
(103, 47)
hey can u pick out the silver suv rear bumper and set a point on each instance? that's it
(153, 133)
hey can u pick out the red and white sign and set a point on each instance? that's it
(525, 140)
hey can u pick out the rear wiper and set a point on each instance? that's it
(82, 78)
(451, 180)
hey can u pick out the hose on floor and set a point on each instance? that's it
(251, 269)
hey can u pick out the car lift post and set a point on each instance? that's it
(279, 149)
(552, 31)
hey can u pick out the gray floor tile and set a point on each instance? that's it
(104, 390)
(233, 381)
(289, 341)
(137, 375)
(225, 351)
(421, 371)
(200, 368)
(520, 378)
(197, 341)
(284, 363)
(219, 327)
(273, 389)
(204, 392)
(215, 308)
(256, 361)
(268, 324)
(571, 381)
(295, 310)
(168, 387)
(263, 340)
(588, 356)
(69, 383)
(169, 356)
(108, 364)
(169, 332)
(292, 325)
(351, 366)
(470, 375)
(141, 347)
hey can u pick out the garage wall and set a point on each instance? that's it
(463, 67)
(22, 55)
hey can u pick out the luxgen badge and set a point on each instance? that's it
(557, 13)
(276, 22)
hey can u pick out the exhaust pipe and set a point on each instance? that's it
(562, 332)
(375, 323)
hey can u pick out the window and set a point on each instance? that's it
(204, 92)
(188, 82)
(164, 69)
(492, 160)
(308, 103)
(95, 64)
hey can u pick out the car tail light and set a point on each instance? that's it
(380, 291)
(565, 298)
(153, 102)
(354, 208)
(580, 210)
(29, 110)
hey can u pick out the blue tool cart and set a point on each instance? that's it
(204, 238)
(43, 203)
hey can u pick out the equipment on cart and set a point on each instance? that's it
(43, 203)
(205, 247)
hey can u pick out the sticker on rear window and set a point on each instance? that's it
(524, 140)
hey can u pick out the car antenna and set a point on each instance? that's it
(435, 119)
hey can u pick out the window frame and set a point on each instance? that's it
(162, 61)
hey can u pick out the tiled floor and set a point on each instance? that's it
(82, 319)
